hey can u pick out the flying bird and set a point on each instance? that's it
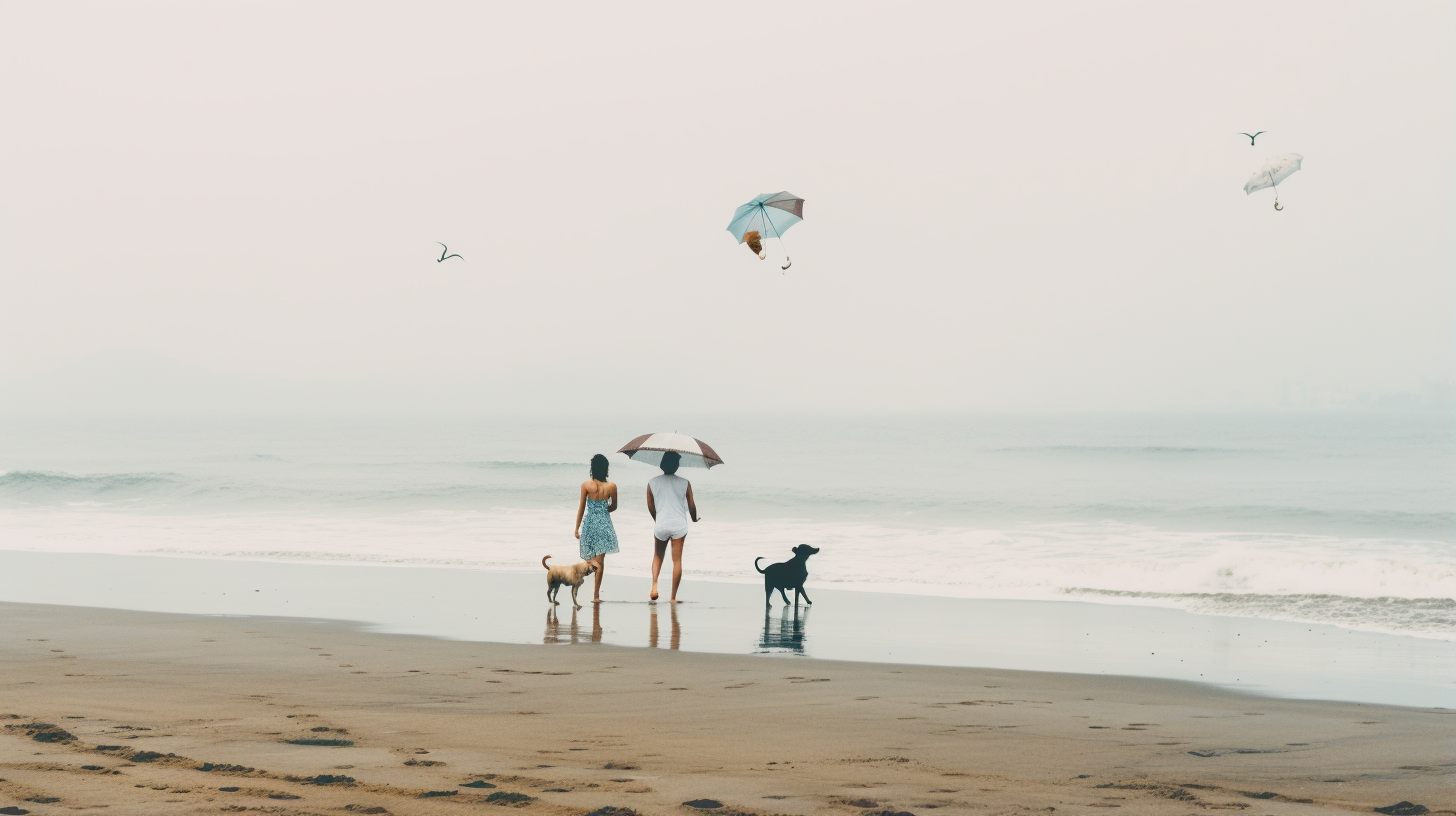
(443, 257)
(1252, 137)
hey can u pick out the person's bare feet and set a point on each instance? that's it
(674, 600)
(653, 596)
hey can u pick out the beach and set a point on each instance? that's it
(1165, 616)
(212, 702)
(1084, 368)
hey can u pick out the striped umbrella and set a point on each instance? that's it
(649, 448)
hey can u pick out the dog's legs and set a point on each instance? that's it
(785, 596)
(767, 596)
(805, 593)
(574, 604)
(551, 590)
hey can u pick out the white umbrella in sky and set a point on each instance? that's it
(1275, 170)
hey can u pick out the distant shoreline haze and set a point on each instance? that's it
(145, 384)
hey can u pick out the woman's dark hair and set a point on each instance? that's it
(599, 467)
(670, 461)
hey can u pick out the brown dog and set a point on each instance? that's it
(571, 576)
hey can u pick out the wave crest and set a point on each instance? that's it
(29, 481)
(1432, 617)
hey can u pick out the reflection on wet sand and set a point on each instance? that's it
(572, 632)
(652, 627)
(786, 632)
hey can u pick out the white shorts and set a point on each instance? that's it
(667, 532)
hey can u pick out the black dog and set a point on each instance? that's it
(790, 574)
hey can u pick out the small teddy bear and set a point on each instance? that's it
(755, 243)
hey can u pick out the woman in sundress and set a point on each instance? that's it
(594, 531)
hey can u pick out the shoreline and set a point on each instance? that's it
(1265, 657)
(198, 711)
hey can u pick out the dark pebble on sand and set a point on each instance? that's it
(1403, 809)
(614, 811)
(704, 804)
(1264, 795)
(506, 798)
(862, 803)
(327, 743)
(108, 747)
(896, 813)
(476, 784)
(44, 800)
(145, 756)
(432, 794)
(1203, 753)
(13, 811)
(230, 789)
(92, 768)
(283, 796)
(332, 779)
(557, 790)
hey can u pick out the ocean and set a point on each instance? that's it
(1345, 519)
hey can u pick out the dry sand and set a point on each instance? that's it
(163, 714)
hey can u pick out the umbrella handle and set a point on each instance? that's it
(763, 213)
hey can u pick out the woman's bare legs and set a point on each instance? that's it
(659, 548)
(601, 562)
(677, 545)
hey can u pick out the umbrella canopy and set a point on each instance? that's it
(1275, 170)
(649, 448)
(770, 214)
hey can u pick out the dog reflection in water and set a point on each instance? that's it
(571, 633)
(786, 631)
(676, 639)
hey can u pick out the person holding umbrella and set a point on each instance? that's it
(670, 503)
(670, 496)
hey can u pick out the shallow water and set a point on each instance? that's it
(1343, 519)
(1257, 656)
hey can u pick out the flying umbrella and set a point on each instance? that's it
(768, 214)
(1274, 171)
(649, 448)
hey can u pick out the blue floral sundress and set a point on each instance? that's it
(598, 536)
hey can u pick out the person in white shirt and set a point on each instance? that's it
(670, 501)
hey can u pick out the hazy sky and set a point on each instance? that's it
(1009, 205)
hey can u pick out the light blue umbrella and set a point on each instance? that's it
(769, 214)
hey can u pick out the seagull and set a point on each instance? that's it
(443, 257)
(1252, 137)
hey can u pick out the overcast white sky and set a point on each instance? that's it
(1009, 205)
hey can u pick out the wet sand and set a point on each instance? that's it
(147, 713)
(1246, 654)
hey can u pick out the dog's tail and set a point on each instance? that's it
(543, 562)
(755, 563)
